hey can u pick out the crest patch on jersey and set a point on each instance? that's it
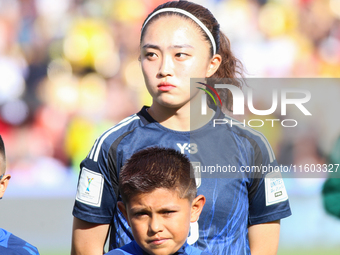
(90, 188)
(275, 188)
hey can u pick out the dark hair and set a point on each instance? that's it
(154, 168)
(230, 68)
(2, 154)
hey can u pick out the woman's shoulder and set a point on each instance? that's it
(255, 138)
(140, 119)
(120, 129)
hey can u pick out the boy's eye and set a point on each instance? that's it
(169, 212)
(139, 214)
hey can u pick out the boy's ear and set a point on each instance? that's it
(122, 208)
(196, 207)
(3, 184)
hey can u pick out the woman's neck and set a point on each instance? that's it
(180, 119)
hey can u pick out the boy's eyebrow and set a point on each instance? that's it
(138, 208)
(161, 209)
(152, 46)
(169, 208)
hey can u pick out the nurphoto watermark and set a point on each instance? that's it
(252, 127)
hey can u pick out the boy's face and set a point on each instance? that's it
(160, 220)
(5, 177)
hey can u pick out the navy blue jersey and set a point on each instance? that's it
(221, 155)
(134, 249)
(13, 245)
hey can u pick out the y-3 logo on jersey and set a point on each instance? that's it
(190, 147)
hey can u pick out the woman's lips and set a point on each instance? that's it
(164, 86)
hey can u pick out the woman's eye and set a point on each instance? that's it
(181, 55)
(150, 54)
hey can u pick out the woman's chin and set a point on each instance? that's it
(171, 104)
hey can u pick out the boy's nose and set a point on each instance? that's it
(155, 225)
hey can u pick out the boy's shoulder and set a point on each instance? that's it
(133, 249)
(190, 250)
(10, 243)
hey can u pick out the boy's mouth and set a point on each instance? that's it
(157, 241)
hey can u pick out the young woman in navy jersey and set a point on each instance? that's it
(179, 41)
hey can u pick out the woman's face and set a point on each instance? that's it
(173, 50)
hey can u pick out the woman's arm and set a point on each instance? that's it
(88, 238)
(264, 238)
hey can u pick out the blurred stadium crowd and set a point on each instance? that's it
(69, 68)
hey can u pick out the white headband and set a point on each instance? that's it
(206, 30)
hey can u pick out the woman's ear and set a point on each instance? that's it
(122, 208)
(214, 64)
(3, 184)
(196, 207)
